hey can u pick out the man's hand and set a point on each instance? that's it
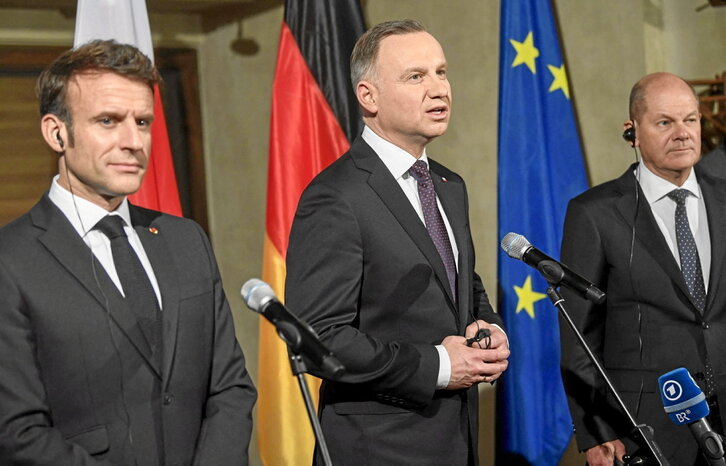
(484, 361)
(605, 454)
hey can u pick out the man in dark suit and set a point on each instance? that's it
(655, 241)
(381, 264)
(117, 342)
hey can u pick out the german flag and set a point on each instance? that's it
(314, 118)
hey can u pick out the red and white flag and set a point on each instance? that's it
(127, 22)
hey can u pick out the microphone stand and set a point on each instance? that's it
(553, 273)
(291, 336)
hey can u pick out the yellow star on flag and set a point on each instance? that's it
(560, 80)
(527, 297)
(526, 52)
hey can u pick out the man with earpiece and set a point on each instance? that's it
(654, 240)
(117, 345)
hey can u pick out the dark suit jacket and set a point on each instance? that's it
(714, 162)
(79, 384)
(648, 325)
(363, 271)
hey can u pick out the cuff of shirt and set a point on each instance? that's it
(444, 368)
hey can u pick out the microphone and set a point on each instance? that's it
(685, 403)
(299, 335)
(517, 247)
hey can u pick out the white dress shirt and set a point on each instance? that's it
(84, 215)
(398, 162)
(656, 191)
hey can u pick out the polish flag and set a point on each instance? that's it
(127, 22)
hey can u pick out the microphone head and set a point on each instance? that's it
(515, 245)
(256, 293)
(683, 401)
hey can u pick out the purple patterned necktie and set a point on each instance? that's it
(434, 221)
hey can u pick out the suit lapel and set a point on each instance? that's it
(714, 196)
(388, 190)
(648, 232)
(63, 242)
(157, 250)
(451, 195)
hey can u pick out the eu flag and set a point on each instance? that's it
(540, 169)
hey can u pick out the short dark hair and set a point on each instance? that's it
(95, 56)
(366, 48)
(636, 103)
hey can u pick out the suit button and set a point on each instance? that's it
(704, 325)
(699, 376)
(168, 398)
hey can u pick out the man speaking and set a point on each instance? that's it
(381, 264)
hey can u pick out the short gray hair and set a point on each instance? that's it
(366, 48)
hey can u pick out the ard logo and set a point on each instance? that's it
(672, 390)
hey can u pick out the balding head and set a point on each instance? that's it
(652, 84)
(664, 113)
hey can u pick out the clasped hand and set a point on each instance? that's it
(480, 362)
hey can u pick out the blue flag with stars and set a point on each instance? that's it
(540, 169)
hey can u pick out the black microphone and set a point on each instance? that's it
(299, 335)
(517, 247)
(685, 403)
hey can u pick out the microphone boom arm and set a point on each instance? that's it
(301, 340)
(551, 270)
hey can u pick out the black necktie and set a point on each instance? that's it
(434, 221)
(138, 291)
(691, 266)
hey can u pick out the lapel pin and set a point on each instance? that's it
(444, 179)
(153, 231)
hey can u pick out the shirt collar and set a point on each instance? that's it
(656, 188)
(397, 160)
(83, 214)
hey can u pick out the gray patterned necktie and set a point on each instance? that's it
(691, 267)
(690, 261)
(434, 221)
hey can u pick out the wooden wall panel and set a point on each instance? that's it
(26, 163)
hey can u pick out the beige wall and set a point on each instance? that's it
(697, 51)
(608, 46)
(606, 52)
